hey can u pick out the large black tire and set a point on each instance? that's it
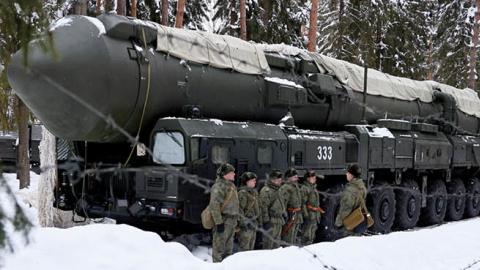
(472, 200)
(330, 203)
(436, 208)
(409, 204)
(456, 200)
(381, 204)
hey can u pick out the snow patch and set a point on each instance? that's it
(283, 81)
(98, 24)
(138, 48)
(63, 22)
(286, 117)
(28, 196)
(381, 132)
(217, 122)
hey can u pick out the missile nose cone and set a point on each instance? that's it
(68, 92)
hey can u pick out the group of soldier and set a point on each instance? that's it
(282, 212)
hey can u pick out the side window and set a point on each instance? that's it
(194, 147)
(169, 148)
(264, 154)
(220, 154)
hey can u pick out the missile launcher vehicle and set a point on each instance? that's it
(151, 112)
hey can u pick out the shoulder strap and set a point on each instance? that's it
(362, 204)
(229, 198)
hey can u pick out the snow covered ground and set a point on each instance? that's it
(454, 245)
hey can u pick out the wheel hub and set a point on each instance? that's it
(385, 210)
(439, 203)
(411, 207)
(475, 200)
(458, 202)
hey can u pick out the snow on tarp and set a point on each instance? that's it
(219, 51)
(379, 83)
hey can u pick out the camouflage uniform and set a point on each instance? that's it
(354, 192)
(311, 214)
(249, 217)
(223, 242)
(293, 200)
(273, 210)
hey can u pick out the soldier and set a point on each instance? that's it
(294, 202)
(272, 209)
(352, 197)
(249, 211)
(224, 208)
(312, 211)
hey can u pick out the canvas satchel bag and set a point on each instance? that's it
(354, 219)
(207, 217)
(357, 217)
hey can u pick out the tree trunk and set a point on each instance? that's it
(312, 32)
(133, 11)
(473, 50)
(180, 12)
(122, 7)
(165, 12)
(98, 7)
(48, 179)
(80, 7)
(23, 159)
(243, 20)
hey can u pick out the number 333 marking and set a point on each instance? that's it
(324, 153)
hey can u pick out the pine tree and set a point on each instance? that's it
(472, 77)
(15, 225)
(454, 39)
(226, 12)
(22, 21)
(270, 21)
(405, 47)
(196, 14)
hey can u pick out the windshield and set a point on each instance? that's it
(169, 148)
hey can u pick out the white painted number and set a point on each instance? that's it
(324, 153)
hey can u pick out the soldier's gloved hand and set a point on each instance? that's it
(220, 228)
(267, 226)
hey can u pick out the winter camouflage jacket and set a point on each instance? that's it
(292, 196)
(220, 192)
(249, 209)
(354, 192)
(271, 205)
(312, 199)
